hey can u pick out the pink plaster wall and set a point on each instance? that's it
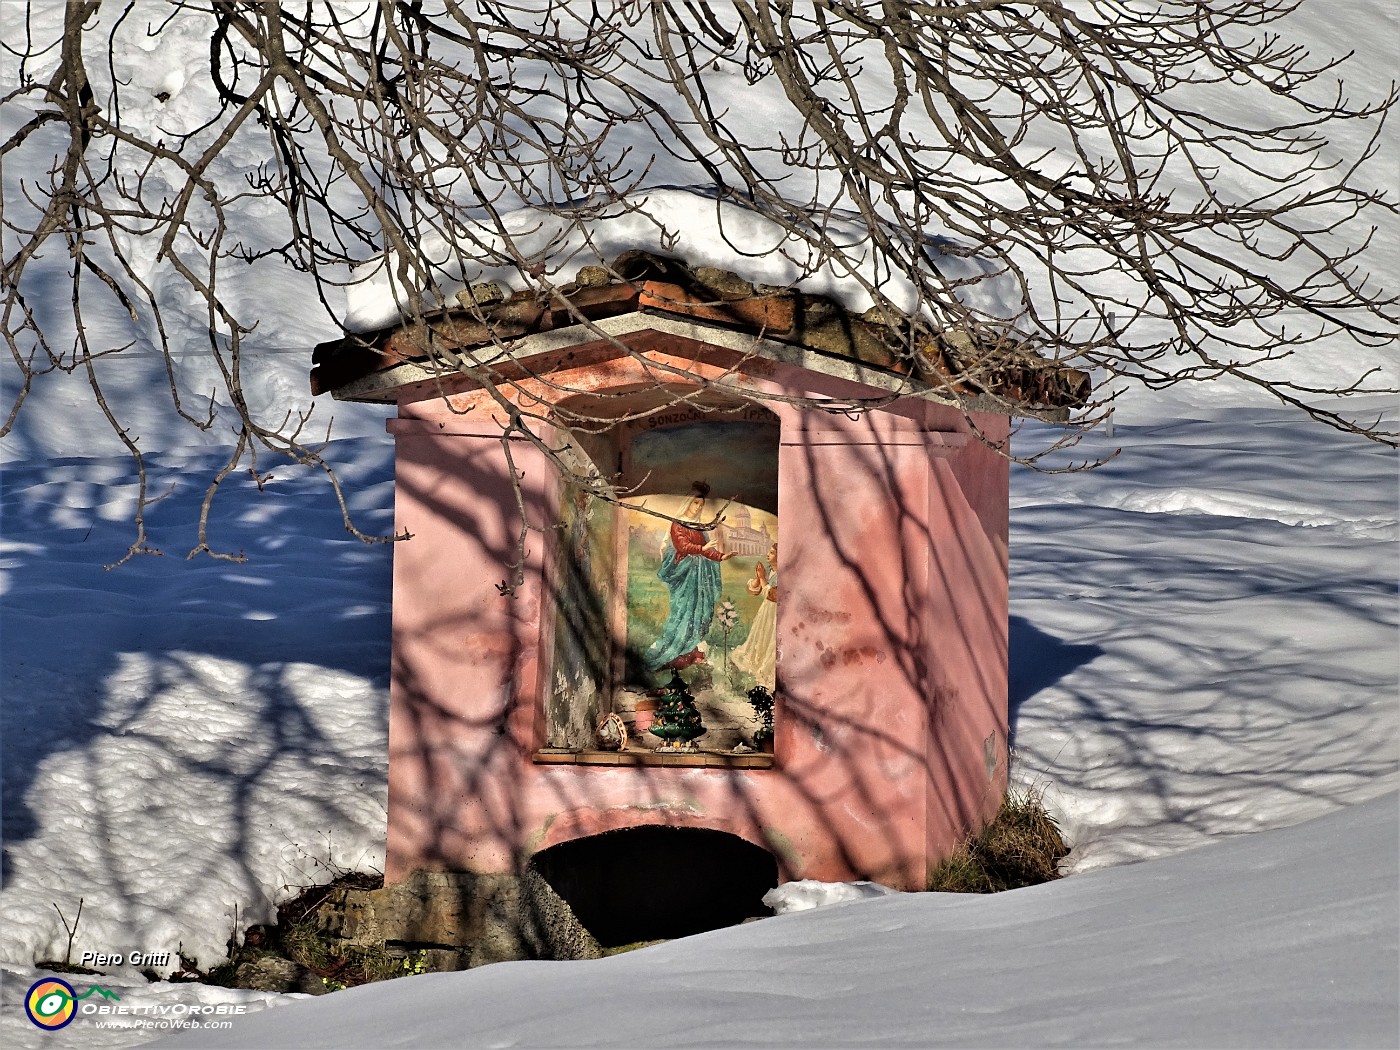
(891, 639)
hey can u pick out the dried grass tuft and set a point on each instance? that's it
(1022, 846)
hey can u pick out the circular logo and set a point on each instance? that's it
(50, 1003)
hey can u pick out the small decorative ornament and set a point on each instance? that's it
(678, 720)
(612, 733)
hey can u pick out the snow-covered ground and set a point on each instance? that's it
(1281, 939)
(1204, 643)
(1203, 631)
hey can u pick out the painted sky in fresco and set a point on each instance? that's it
(738, 460)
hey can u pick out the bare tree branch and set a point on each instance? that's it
(1068, 152)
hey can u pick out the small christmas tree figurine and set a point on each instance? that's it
(677, 718)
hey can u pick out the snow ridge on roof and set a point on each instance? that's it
(834, 255)
(983, 370)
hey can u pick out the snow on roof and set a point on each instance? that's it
(684, 222)
(499, 330)
(685, 252)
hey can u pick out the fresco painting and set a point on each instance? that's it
(684, 582)
(702, 602)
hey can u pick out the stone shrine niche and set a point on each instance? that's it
(640, 597)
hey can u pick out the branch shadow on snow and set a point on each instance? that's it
(1240, 616)
(217, 704)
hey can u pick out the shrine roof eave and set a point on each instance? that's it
(387, 385)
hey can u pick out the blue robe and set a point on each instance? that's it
(694, 583)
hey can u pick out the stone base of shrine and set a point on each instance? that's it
(458, 920)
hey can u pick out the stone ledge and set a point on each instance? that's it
(463, 919)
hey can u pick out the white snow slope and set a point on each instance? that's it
(1282, 939)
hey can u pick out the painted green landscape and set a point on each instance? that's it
(648, 603)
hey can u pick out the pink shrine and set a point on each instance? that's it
(862, 554)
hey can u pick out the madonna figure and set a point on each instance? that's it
(690, 571)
